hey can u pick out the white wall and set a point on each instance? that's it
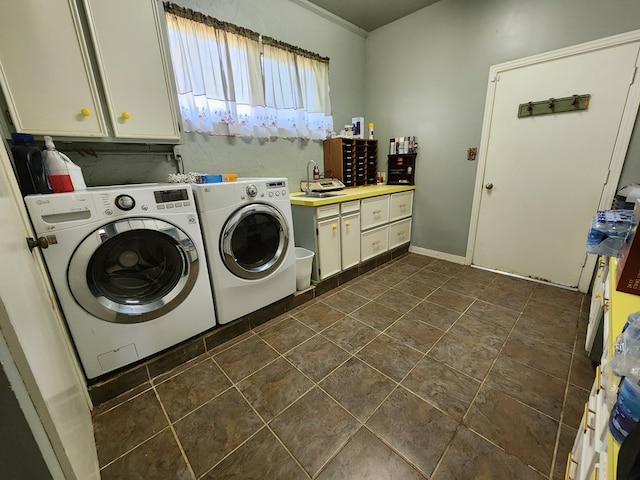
(427, 75)
(293, 24)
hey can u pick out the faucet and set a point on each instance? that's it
(315, 166)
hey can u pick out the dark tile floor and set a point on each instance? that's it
(419, 369)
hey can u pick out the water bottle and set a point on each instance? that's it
(608, 231)
(625, 414)
(626, 349)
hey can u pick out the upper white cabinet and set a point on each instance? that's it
(50, 86)
(128, 41)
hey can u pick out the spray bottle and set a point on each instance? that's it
(63, 175)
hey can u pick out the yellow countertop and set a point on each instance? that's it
(620, 306)
(348, 194)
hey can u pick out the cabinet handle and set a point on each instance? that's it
(599, 274)
(402, 205)
(570, 460)
(347, 224)
(585, 419)
(85, 112)
(401, 233)
(375, 212)
(334, 226)
(126, 115)
(376, 242)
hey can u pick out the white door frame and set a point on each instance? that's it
(619, 151)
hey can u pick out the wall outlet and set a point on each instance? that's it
(471, 153)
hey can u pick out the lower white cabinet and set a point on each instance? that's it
(345, 234)
(588, 457)
(328, 249)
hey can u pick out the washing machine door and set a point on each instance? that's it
(254, 241)
(133, 270)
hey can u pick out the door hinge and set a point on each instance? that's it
(606, 180)
(633, 75)
(317, 232)
(495, 79)
(9, 119)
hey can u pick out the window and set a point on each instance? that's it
(232, 81)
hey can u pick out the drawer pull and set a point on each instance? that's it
(585, 419)
(567, 471)
(375, 212)
(377, 242)
(401, 233)
(85, 112)
(599, 274)
(402, 205)
(334, 226)
(347, 224)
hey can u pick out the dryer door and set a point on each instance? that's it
(133, 270)
(254, 241)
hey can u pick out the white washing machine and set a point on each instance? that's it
(248, 234)
(128, 265)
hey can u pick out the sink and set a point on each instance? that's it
(319, 194)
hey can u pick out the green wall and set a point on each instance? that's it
(427, 75)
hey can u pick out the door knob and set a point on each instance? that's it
(489, 186)
(41, 242)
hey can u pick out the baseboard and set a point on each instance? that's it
(439, 255)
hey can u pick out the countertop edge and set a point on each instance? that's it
(348, 194)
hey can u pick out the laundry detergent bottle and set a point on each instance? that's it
(63, 175)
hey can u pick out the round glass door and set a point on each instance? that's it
(133, 270)
(254, 241)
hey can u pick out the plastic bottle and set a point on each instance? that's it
(371, 126)
(626, 349)
(625, 414)
(316, 172)
(62, 173)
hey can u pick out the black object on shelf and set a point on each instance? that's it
(401, 169)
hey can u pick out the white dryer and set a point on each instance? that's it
(127, 264)
(248, 233)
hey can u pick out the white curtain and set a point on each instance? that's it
(218, 78)
(224, 90)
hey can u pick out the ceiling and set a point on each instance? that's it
(371, 14)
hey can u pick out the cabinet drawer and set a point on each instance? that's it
(399, 233)
(348, 207)
(374, 211)
(400, 206)
(327, 210)
(374, 242)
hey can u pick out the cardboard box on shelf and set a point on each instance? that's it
(628, 270)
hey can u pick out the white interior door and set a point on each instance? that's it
(39, 347)
(542, 177)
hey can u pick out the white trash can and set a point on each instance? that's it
(304, 258)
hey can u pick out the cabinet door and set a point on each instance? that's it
(328, 247)
(45, 71)
(596, 309)
(400, 205)
(375, 211)
(134, 68)
(350, 240)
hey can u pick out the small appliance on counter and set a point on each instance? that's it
(321, 185)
